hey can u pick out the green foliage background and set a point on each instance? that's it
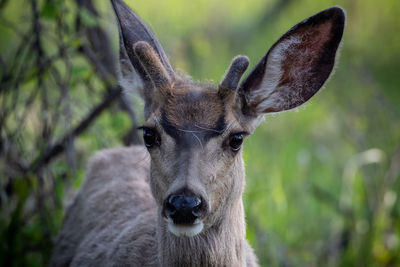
(322, 181)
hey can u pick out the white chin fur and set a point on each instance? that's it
(185, 230)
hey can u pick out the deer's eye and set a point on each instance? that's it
(150, 137)
(236, 141)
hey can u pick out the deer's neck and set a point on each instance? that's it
(223, 244)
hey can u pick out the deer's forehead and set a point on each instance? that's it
(200, 111)
(203, 108)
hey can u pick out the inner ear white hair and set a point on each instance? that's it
(296, 66)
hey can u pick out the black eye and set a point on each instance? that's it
(236, 141)
(149, 137)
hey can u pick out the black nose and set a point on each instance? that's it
(183, 209)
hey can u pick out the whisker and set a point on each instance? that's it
(208, 129)
(188, 131)
(225, 132)
(198, 139)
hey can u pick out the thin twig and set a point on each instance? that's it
(59, 146)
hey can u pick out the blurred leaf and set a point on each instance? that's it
(21, 188)
(50, 10)
(88, 19)
(80, 71)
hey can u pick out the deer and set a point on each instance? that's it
(177, 200)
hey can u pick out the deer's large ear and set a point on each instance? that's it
(296, 66)
(142, 67)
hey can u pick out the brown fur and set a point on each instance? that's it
(191, 107)
(109, 220)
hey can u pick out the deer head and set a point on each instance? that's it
(194, 132)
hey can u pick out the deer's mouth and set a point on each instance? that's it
(185, 229)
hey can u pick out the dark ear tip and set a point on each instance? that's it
(338, 10)
(337, 13)
(241, 62)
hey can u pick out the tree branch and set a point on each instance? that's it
(60, 146)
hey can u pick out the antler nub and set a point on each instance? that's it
(232, 77)
(156, 73)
